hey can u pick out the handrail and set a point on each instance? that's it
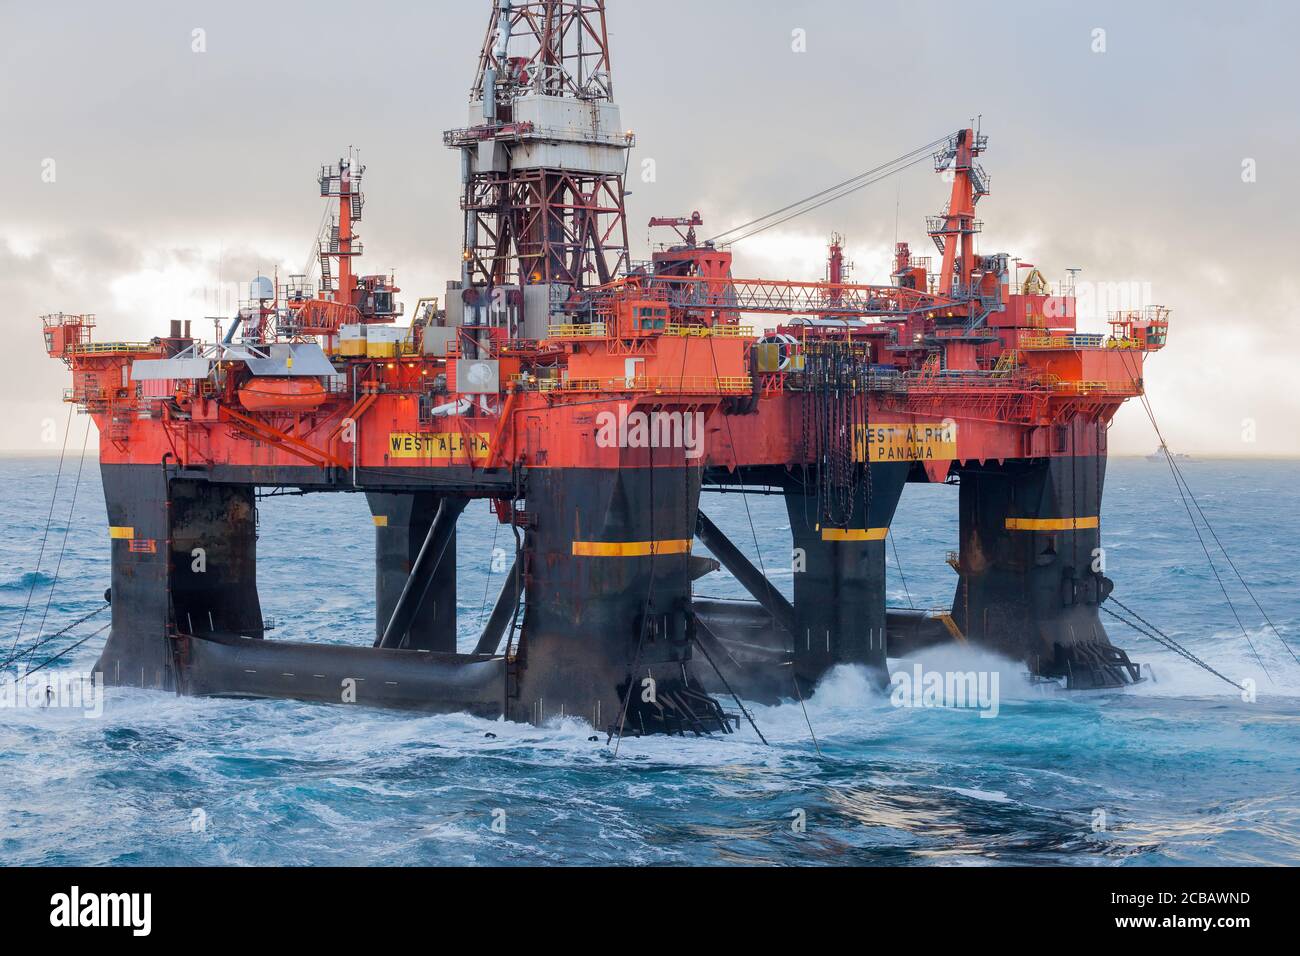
(92, 348)
(720, 330)
(682, 384)
(600, 330)
(577, 330)
(56, 319)
(1075, 340)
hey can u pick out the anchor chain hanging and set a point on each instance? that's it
(836, 420)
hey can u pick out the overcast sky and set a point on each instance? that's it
(176, 171)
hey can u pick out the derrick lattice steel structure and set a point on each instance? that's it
(543, 158)
(589, 401)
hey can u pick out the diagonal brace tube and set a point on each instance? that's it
(502, 612)
(753, 581)
(423, 572)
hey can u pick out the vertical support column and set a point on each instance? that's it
(1030, 575)
(839, 576)
(214, 559)
(184, 559)
(608, 599)
(402, 523)
(138, 652)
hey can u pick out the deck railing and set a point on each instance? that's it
(673, 384)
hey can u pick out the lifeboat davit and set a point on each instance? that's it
(282, 394)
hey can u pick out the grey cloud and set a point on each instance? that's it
(1125, 163)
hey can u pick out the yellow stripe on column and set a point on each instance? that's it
(1050, 524)
(854, 534)
(381, 521)
(120, 533)
(630, 549)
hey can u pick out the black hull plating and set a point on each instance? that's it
(839, 577)
(1032, 569)
(230, 666)
(608, 630)
(607, 600)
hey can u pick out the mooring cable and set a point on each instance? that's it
(67, 650)
(899, 564)
(1214, 569)
(487, 583)
(1164, 639)
(36, 572)
(67, 528)
(1227, 557)
(734, 696)
(1180, 484)
(804, 707)
(49, 637)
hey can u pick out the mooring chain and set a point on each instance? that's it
(66, 651)
(1150, 630)
(49, 519)
(41, 642)
(836, 416)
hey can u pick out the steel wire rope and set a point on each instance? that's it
(63, 547)
(36, 572)
(67, 650)
(1199, 537)
(847, 192)
(924, 150)
(49, 637)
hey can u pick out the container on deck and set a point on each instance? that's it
(383, 341)
(352, 341)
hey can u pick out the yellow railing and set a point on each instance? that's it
(101, 348)
(1033, 340)
(735, 383)
(534, 382)
(600, 330)
(689, 384)
(577, 330)
(715, 331)
(1084, 387)
(1070, 340)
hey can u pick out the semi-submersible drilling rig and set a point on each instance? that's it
(589, 399)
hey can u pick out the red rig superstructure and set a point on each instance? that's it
(590, 399)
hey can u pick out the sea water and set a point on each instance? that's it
(1177, 770)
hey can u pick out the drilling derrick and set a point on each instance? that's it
(542, 164)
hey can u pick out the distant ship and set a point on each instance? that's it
(1163, 450)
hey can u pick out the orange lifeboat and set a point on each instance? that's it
(282, 394)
